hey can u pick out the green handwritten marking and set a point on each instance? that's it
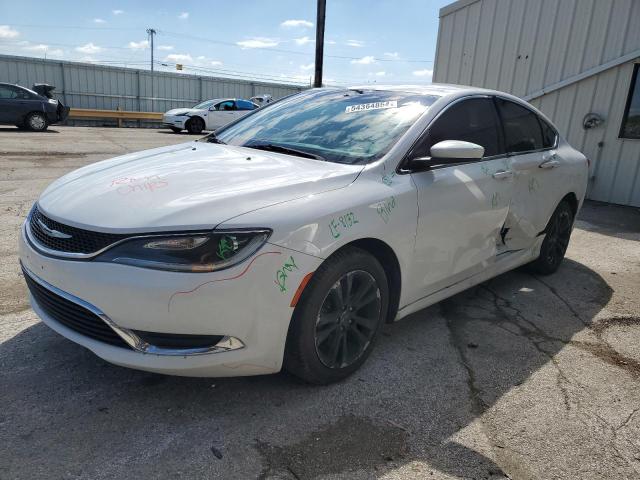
(505, 163)
(484, 169)
(343, 222)
(226, 245)
(385, 208)
(533, 185)
(282, 274)
(495, 199)
(388, 179)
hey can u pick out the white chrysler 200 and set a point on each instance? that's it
(290, 236)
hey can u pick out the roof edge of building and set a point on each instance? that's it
(455, 6)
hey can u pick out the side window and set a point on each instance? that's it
(630, 127)
(472, 120)
(522, 129)
(7, 92)
(548, 134)
(244, 105)
(228, 105)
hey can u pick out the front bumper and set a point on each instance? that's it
(174, 121)
(243, 303)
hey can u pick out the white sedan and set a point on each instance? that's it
(291, 236)
(208, 115)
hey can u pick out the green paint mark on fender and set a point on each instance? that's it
(282, 274)
(344, 222)
(385, 208)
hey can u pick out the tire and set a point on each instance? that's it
(556, 241)
(326, 342)
(175, 129)
(195, 125)
(36, 121)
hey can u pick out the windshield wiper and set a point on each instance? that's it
(274, 147)
(213, 139)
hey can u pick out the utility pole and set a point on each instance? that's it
(322, 5)
(151, 32)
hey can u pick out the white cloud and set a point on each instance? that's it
(424, 73)
(307, 67)
(165, 47)
(355, 43)
(216, 63)
(183, 15)
(117, 12)
(179, 57)
(57, 52)
(258, 42)
(201, 57)
(296, 23)
(330, 42)
(7, 32)
(89, 48)
(303, 40)
(141, 45)
(99, 20)
(391, 54)
(381, 74)
(368, 60)
(88, 58)
(36, 48)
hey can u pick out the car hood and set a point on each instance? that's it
(184, 187)
(180, 111)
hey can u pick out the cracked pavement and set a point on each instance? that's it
(521, 377)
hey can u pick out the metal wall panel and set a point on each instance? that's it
(524, 46)
(82, 85)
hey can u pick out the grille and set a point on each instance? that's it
(81, 241)
(72, 315)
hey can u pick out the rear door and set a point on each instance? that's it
(532, 145)
(462, 208)
(11, 110)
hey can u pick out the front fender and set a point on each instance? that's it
(371, 207)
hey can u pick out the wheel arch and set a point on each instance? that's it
(572, 199)
(382, 252)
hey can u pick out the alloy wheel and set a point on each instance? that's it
(348, 319)
(558, 236)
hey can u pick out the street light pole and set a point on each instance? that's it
(151, 32)
(322, 5)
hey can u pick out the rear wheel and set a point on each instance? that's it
(36, 121)
(195, 125)
(175, 129)
(556, 240)
(337, 320)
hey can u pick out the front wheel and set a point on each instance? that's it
(37, 122)
(195, 125)
(337, 319)
(556, 240)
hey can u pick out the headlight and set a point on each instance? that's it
(182, 114)
(53, 101)
(192, 252)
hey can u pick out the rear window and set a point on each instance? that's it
(522, 129)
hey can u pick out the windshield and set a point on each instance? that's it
(344, 126)
(204, 105)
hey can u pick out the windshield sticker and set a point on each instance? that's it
(344, 222)
(281, 275)
(371, 106)
(385, 208)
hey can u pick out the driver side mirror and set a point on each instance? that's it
(449, 152)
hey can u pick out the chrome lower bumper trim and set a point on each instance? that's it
(226, 344)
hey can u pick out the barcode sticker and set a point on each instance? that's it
(371, 106)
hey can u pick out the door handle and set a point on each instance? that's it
(502, 174)
(549, 164)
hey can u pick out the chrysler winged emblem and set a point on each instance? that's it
(51, 232)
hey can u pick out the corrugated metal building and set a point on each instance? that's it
(570, 59)
(84, 85)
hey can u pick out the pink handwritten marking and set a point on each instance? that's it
(138, 184)
(220, 279)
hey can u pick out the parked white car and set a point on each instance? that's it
(209, 115)
(291, 236)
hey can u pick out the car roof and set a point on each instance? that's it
(437, 89)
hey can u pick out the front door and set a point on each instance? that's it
(462, 208)
(221, 114)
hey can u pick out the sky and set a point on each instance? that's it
(381, 41)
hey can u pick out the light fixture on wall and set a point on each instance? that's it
(592, 120)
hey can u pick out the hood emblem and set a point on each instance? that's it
(51, 232)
